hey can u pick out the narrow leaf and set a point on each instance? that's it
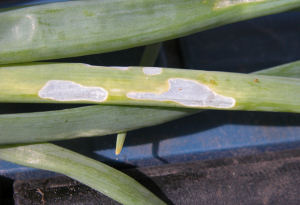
(291, 70)
(150, 55)
(85, 121)
(95, 174)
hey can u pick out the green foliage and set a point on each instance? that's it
(81, 27)
(75, 28)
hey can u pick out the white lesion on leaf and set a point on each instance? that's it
(152, 70)
(63, 90)
(186, 92)
(227, 3)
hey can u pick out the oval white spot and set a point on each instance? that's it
(188, 93)
(152, 70)
(63, 90)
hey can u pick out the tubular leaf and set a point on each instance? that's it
(147, 86)
(98, 120)
(81, 27)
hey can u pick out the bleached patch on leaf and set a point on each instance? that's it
(152, 70)
(189, 93)
(63, 90)
(227, 3)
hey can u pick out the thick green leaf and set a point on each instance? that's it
(99, 120)
(81, 27)
(147, 86)
(97, 175)
(81, 122)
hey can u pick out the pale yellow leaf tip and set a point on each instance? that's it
(120, 142)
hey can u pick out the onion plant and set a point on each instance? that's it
(80, 27)
(120, 94)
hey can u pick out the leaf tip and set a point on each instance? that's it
(120, 142)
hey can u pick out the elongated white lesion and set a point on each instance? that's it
(63, 90)
(227, 3)
(187, 92)
(124, 68)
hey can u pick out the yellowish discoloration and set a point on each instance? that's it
(152, 70)
(213, 82)
(62, 90)
(116, 90)
(189, 93)
(228, 3)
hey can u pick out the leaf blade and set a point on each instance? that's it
(98, 119)
(95, 174)
(52, 31)
(144, 86)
